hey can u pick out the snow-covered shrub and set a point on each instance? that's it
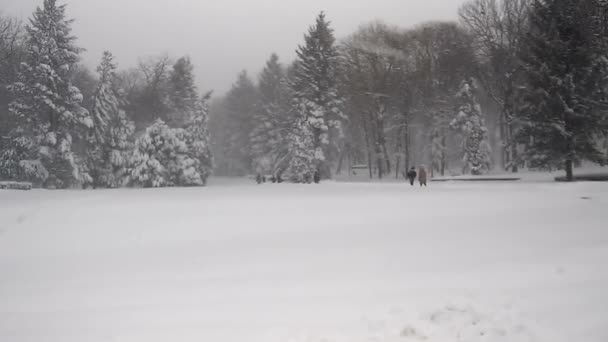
(163, 158)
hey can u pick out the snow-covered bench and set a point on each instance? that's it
(15, 186)
(476, 179)
(589, 177)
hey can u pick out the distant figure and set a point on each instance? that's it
(258, 179)
(422, 176)
(317, 177)
(411, 175)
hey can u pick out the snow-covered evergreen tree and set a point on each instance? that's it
(182, 98)
(109, 142)
(162, 158)
(469, 121)
(315, 93)
(301, 146)
(271, 121)
(47, 105)
(565, 93)
(199, 141)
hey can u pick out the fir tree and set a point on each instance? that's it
(315, 93)
(109, 141)
(470, 122)
(302, 153)
(199, 141)
(565, 67)
(239, 107)
(47, 106)
(269, 134)
(182, 98)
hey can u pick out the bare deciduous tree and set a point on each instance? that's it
(498, 27)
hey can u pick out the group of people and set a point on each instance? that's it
(421, 174)
(262, 179)
(316, 177)
(411, 176)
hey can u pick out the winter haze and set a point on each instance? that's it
(387, 171)
(222, 37)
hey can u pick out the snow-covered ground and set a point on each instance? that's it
(335, 262)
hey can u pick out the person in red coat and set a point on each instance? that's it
(422, 176)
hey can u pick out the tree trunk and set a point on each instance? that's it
(407, 146)
(341, 161)
(570, 153)
(398, 150)
(379, 161)
(569, 171)
(443, 155)
(514, 157)
(387, 158)
(504, 141)
(369, 151)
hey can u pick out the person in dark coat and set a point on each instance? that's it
(411, 175)
(317, 177)
(258, 179)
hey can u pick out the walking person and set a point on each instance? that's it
(422, 175)
(411, 175)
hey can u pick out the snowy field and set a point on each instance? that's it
(336, 262)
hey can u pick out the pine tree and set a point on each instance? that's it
(302, 153)
(109, 142)
(565, 67)
(182, 98)
(315, 93)
(271, 121)
(199, 141)
(47, 106)
(469, 121)
(238, 109)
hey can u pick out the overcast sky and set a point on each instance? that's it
(222, 37)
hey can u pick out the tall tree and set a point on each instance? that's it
(110, 139)
(232, 122)
(372, 64)
(149, 90)
(498, 28)
(443, 56)
(565, 99)
(315, 92)
(199, 140)
(46, 103)
(271, 120)
(11, 54)
(182, 98)
(469, 121)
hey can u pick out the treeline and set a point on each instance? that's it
(512, 84)
(63, 127)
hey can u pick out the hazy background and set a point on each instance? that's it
(221, 37)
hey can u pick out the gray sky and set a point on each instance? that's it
(222, 37)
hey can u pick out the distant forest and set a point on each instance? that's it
(512, 84)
